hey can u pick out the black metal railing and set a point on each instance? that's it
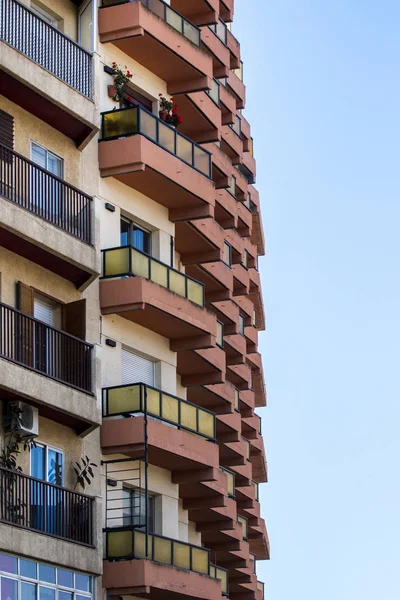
(37, 346)
(167, 14)
(44, 194)
(47, 46)
(133, 121)
(139, 398)
(46, 508)
(126, 261)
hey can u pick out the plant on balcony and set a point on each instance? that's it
(169, 111)
(121, 78)
(84, 472)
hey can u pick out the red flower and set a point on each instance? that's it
(172, 99)
(160, 95)
(180, 120)
(175, 109)
(129, 74)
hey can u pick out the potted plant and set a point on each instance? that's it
(121, 78)
(169, 111)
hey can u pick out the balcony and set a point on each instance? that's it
(130, 400)
(226, 10)
(146, 291)
(31, 350)
(162, 565)
(226, 209)
(221, 166)
(53, 227)
(143, 152)
(214, 40)
(160, 39)
(234, 82)
(199, 241)
(201, 114)
(201, 367)
(216, 277)
(234, 48)
(200, 12)
(30, 83)
(218, 398)
(232, 143)
(45, 508)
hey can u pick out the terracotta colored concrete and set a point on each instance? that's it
(234, 48)
(160, 175)
(199, 12)
(228, 313)
(232, 144)
(238, 88)
(245, 220)
(242, 186)
(201, 367)
(226, 209)
(228, 105)
(239, 376)
(241, 280)
(218, 398)
(201, 117)
(217, 50)
(251, 335)
(147, 303)
(222, 166)
(229, 427)
(199, 241)
(157, 46)
(226, 8)
(235, 349)
(249, 163)
(217, 278)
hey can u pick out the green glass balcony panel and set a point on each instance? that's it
(140, 264)
(191, 32)
(230, 481)
(166, 137)
(162, 550)
(182, 555)
(237, 399)
(195, 292)
(189, 416)
(220, 333)
(140, 545)
(116, 262)
(122, 400)
(245, 526)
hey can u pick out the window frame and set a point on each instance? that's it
(242, 324)
(48, 447)
(81, 10)
(132, 226)
(150, 505)
(48, 152)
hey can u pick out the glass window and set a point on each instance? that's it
(27, 569)
(134, 510)
(86, 26)
(47, 464)
(133, 235)
(43, 14)
(82, 582)
(241, 324)
(65, 578)
(47, 573)
(227, 254)
(9, 589)
(46, 159)
(46, 593)
(8, 563)
(28, 591)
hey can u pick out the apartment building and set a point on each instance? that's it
(131, 453)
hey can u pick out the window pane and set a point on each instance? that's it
(27, 568)
(28, 591)
(83, 582)
(8, 563)
(46, 593)
(9, 589)
(47, 573)
(64, 595)
(38, 155)
(124, 238)
(141, 239)
(65, 578)
(38, 455)
(86, 28)
(54, 164)
(55, 467)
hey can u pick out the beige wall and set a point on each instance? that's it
(64, 11)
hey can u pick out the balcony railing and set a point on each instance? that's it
(256, 490)
(261, 588)
(140, 398)
(46, 508)
(237, 399)
(167, 14)
(221, 31)
(245, 526)
(214, 93)
(239, 72)
(237, 126)
(139, 121)
(48, 351)
(221, 574)
(47, 46)
(231, 481)
(220, 334)
(45, 195)
(129, 262)
(131, 544)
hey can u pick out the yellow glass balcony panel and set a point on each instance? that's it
(220, 333)
(237, 399)
(116, 262)
(177, 283)
(184, 149)
(188, 416)
(153, 402)
(195, 292)
(166, 137)
(140, 264)
(119, 544)
(206, 423)
(140, 544)
(148, 125)
(200, 560)
(120, 123)
(162, 550)
(170, 408)
(159, 273)
(244, 525)
(222, 575)
(181, 555)
(123, 400)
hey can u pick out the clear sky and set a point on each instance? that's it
(323, 90)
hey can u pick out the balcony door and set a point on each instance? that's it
(47, 465)
(45, 192)
(48, 312)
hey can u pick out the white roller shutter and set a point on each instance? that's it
(43, 311)
(136, 369)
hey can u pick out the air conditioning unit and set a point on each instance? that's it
(29, 417)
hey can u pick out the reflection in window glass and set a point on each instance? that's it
(65, 578)
(82, 582)
(28, 591)
(64, 595)
(27, 568)
(46, 593)
(8, 563)
(9, 589)
(47, 573)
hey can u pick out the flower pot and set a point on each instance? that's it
(163, 115)
(112, 91)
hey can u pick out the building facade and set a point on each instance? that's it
(130, 304)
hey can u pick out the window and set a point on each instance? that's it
(23, 579)
(227, 257)
(133, 235)
(241, 324)
(86, 29)
(133, 98)
(45, 15)
(45, 192)
(47, 464)
(134, 509)
(46, 159)
(136, 369)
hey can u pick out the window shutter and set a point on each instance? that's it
(43, 311)
(25, 298)
(6, 130)
(74, 318)
(136, 369)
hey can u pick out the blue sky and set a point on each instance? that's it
(323, 89)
